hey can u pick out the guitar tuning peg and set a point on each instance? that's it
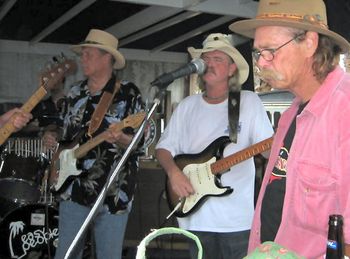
(48, 65)
(45, 79)
(55, 59)
(63, 56)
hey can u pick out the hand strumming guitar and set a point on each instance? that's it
(180, 184)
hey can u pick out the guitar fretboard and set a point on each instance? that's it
(8, 128)
(227, 162)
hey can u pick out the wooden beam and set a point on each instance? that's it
(5, 8)
(193, 33)
(159, 26)
(62, 20)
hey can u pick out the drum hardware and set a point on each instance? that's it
(46, 195)
(2, 158)
(22, 169)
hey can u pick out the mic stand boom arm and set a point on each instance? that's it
(113, 174)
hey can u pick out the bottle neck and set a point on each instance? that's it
(335, 243)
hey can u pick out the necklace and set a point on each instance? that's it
(209, 98)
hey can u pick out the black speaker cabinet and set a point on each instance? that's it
(150, 208)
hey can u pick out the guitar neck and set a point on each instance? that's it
(227, 162)
(86, 147)
(8, 128)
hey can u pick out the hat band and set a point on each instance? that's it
(90, 42)
(312, 19)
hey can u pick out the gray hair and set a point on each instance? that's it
(326, 56)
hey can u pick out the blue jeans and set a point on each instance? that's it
(221, 245)
(108, 230)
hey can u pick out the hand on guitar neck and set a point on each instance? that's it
(118, 137)
(17, 117)
(48, 80)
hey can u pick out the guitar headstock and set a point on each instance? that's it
(57, 72)
(134, 120)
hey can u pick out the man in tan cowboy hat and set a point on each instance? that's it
(95, 104)
(308, 174)
(226, 116)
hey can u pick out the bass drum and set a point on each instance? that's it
(30, 231)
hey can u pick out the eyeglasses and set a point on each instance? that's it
(269, 53)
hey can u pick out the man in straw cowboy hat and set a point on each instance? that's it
(222, 109)
(308, 174)
(99, 57)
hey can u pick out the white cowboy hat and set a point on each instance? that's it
(223, 42)
(105, 41)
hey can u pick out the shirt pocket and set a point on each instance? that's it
(315, 196)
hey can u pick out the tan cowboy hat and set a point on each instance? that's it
(223, 42)
(105, 41)
(309, 15)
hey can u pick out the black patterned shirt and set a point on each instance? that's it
(99, 161)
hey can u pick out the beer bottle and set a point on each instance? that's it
(335, 243)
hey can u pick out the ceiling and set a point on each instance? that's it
(152, 25)
(149, 25)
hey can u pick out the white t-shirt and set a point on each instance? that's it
(192, 127)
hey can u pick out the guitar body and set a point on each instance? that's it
(197, 169)
(63, 167)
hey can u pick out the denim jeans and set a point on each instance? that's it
(221, 245)
(108, 230)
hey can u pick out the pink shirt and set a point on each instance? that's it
(318, 170)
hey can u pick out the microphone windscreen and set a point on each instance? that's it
(200, 65)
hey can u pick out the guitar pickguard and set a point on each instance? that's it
(204, 183)
(67, 167)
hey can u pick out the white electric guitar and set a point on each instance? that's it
(63, 166)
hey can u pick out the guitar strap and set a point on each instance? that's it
(101, 108)
(234, 99)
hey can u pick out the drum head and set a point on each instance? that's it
(26, 168)
(19, 190)
(30, 231)
(20, 179)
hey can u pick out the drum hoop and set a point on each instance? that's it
(14, 179)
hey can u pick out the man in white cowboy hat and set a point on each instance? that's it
(308, 174)
(99, 57)
(222, 109)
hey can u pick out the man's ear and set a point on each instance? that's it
(233, 68)
(311, 42)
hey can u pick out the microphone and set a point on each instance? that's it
(197, 65)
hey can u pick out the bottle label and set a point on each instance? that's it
(332, 244)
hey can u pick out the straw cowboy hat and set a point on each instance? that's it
(223, 42)
(309, 15)
(105, 41)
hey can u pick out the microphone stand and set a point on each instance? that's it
(115, 172)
